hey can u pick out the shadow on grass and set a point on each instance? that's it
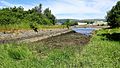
(112, 37)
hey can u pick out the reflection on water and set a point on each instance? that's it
(86, 31)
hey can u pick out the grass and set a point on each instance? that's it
(25, 26)
(55, 52)
(52, 27)
(14, 26)
(16, 56)
(65, 51)
(101, 52)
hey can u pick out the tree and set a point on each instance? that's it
(113, 16)
(50, 16)
(18, 16)
(40, 8)
(67, 23)
(37, 9)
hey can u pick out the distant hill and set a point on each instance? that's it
(64, 20)
(92, 20)
(76, 20)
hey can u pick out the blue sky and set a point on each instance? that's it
(74, 9)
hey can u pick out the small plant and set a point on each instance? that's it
(33, 26)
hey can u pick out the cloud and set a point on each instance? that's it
(80, 9)
(71, 6)
(7, 4)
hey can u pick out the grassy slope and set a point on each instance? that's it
(56, 52)
(102, 51)
(64, 52)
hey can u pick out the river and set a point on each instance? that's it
(85, 31)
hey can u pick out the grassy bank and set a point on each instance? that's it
(65, 51)
(55, 52)
(103, 51)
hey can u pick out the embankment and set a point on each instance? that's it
(30, 35)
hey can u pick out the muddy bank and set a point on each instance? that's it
(68, 39)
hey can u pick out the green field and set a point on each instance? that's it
(65, 51)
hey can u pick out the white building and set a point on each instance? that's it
(100, 23)
(80, 23)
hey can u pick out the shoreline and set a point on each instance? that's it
(27, 36)
(31, 36)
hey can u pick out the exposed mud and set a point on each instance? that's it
(69, 39)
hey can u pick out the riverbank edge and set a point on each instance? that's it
(37, 38)
(33, 38)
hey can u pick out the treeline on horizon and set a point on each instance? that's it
(35, 16)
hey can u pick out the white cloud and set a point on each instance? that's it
(81, 7)
(7, 4)
(73, 8)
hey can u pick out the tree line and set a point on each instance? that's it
(17, 15)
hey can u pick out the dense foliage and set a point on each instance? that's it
(113, 16)
(17, 15)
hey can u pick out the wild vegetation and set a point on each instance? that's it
(70, 22)
(103, 51)
(65, 51)
(17, 17)
(55, 52)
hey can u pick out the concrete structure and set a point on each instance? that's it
(100, 23)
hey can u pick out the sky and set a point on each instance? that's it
(64, 9)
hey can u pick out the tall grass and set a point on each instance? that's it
(14, 27)
(17, 56)
(26, 26)
(20, 56)
(51, 26)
